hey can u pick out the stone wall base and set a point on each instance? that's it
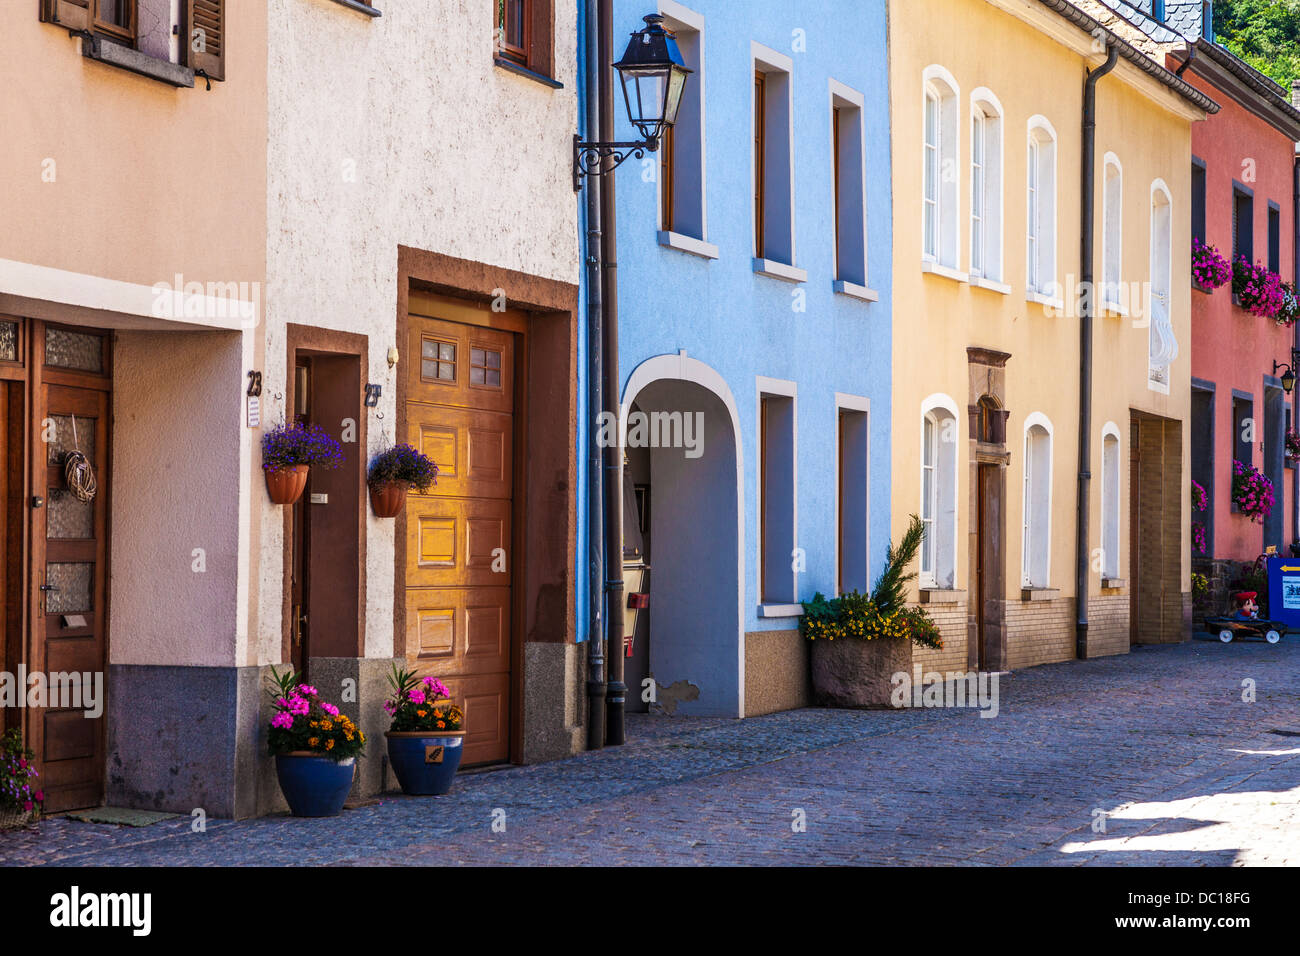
(1039, 632)
(952, 624)
(555, 700)
(1108, 624)
(776, 672)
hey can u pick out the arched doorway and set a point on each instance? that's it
(682, 493)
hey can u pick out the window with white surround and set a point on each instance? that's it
(773, 157)
(986, 187)
(850, 195)
(939, 492)
(1110, 501)
(1162, 344)
(681, 160)
(1112, 233)
(778, 581)
(941, 137)
(853, 541)
(1040, 226)
(1037, 537)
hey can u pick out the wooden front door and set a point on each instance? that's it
(1135, 556)
(70, 545)
(459, 565)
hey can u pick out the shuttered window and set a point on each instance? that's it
(205, 29)
(202, 29)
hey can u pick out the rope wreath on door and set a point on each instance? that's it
(78, 471)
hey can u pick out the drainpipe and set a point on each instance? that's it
(595, 369)
(1086, 312)
(1295, 331)
(616, 690)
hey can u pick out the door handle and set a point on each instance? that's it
(49, 587)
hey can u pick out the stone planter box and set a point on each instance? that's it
(856, 673)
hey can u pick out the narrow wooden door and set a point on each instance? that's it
(981, 571)
(1135, 564)
(459, 565)
(70, 541)
(299, 587)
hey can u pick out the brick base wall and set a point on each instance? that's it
(951, 621)
(1108, 625)
(1039, 632)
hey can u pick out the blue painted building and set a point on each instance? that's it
(755, 350)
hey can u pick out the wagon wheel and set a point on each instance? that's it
(1272, 635)
(1226, 635)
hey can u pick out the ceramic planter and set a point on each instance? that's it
(314, 786)
(387, 498)
(850, 672)
(425, 762)
(285, 485)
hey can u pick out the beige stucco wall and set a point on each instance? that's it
(393, 131)
(1034, 63)
(114, 183)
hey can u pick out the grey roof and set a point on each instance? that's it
(1152, 27)
(1184, 17)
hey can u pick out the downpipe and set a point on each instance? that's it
(1088, 305)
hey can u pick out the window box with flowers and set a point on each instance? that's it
(314, 745)
(860, 641)
(427, 736)
(393, 473)
(1252, 492)
(1293, 445)
(1210, 269)
(1256, 289)
(20, 798)
(1289, 311)
(288, 451)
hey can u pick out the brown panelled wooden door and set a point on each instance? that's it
(70, 542)
(459, 566)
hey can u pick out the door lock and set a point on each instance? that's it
(38, 501)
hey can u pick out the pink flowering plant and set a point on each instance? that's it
(1200, 502)
(303, 722)
(18, 790)
(1209, 269)
(421, 704)
(1293, 444)
(1252, 492)
(1259, 290)
(1290, 310)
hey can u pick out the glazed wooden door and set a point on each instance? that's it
(70, 541)
(299, 588)
(459, 570)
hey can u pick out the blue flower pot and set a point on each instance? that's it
(314, 786)
(425, 763)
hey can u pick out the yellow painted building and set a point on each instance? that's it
(988, 101)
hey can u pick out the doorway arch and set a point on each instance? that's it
(696, 639)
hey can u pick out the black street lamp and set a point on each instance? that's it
(1289, 376)
(653, 75)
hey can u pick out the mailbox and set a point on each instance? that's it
(1284, 591)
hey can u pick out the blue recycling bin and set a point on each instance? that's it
(1284, 591)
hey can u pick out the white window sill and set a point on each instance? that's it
(1113, 584)
(1028, 593)
(1114, 308)
(125, 58)
(780, 610)
(934, 268)
(980, 282)
(934, 595)
(855, 291)
(688, 244)
(779, 270)
(1046, 301)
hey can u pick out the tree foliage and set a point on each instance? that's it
(1264, 33)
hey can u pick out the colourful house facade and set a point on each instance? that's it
(989, 373)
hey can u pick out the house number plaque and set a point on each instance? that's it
(433, 753)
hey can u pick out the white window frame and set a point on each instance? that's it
(851, 258)
(1111, 498)
(1036, 515)
(690, 231)
(1162, 344)
(1041, 213)
(1112, 234)
(777, 388)
(941, 573)
(857, 404)
(941, 197)
(778, 161)
(987, 188)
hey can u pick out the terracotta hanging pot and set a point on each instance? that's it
(387, 498)
(285, 485)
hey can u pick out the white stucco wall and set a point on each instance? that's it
(398, 130)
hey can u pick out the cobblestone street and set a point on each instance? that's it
(1161, 740)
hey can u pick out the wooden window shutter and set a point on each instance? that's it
(205, 30)
(71, 14)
